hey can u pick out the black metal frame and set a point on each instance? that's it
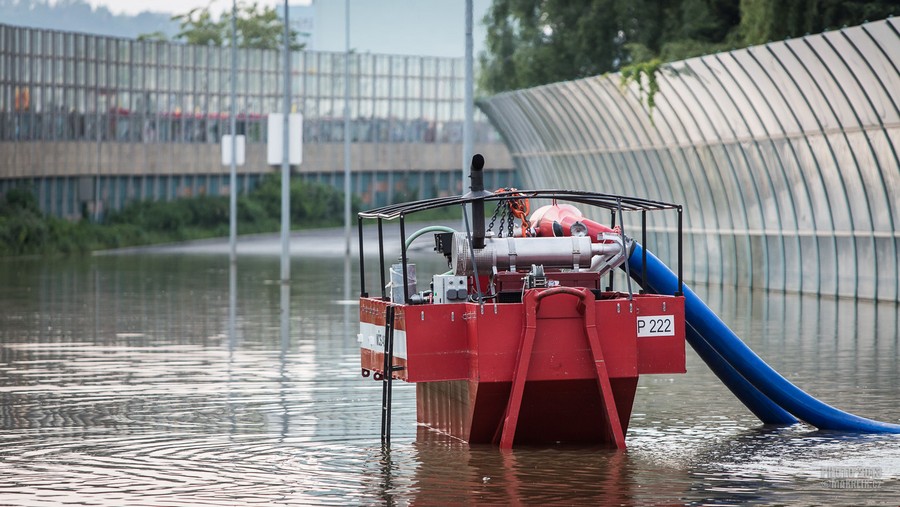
(616, 204)
(607, 201)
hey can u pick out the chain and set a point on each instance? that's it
(494, 217)
(507, 210)
(502, 222)
(504, 205)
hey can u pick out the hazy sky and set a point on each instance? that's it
(173, 6)
(419, 27)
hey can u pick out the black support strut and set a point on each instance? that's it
(388, 375)
(643, 251)
(362, 262)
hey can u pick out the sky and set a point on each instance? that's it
(132, 7)
(419, 27)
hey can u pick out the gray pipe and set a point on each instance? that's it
(507, 254)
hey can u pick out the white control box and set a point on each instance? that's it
(450, 289)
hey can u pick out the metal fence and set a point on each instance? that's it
(74, 86)
(784, 155)
(84, 114)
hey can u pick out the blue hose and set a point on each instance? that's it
(762, 407)
(762, 386)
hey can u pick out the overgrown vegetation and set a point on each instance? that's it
(644, 74)
(534, 42)
(24, 230)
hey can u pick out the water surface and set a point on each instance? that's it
(138, 380)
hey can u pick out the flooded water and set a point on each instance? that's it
(166, 379)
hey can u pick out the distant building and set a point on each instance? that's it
(92, 122)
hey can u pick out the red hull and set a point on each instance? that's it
(560, 366)
(569, 411)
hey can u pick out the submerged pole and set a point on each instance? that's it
(347, 128)
(232, 181)
(285, 157)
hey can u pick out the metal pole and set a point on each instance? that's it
(285, 157)
(404, 259)
(643, 250)
(467, 147)
(381, 258)
(362, 261)
(232, 183)
(387, 376)
(679, 291)
(232, 307)
(389, 372)
(99, 107)
(347, 128)
(612, 271)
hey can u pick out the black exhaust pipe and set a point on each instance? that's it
(476, 189)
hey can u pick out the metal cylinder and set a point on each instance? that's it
(508, 254)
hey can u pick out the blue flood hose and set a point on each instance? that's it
(762, 407)
(769, 383)
(759, 404)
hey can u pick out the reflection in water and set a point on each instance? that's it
(549, 475)
(232, 306)
(348, 301)
(176, 380)
(285, 308)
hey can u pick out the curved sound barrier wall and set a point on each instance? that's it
(785, 156)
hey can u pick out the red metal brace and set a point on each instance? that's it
(531, 302)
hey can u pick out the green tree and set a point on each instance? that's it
(533, 42)
(198, 27)
(768, 20)
(260, 28)
(257, 27)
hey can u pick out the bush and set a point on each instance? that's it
(22, 232)
(254, 216)
(207, 211)
(19, 199)
(25, 230)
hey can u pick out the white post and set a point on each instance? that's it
(285, 158)
(468, 111)
(467, 147)
(232, 183)
(347, 128)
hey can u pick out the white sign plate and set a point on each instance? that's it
(239, 146)
(656, 325)
(275, 146)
